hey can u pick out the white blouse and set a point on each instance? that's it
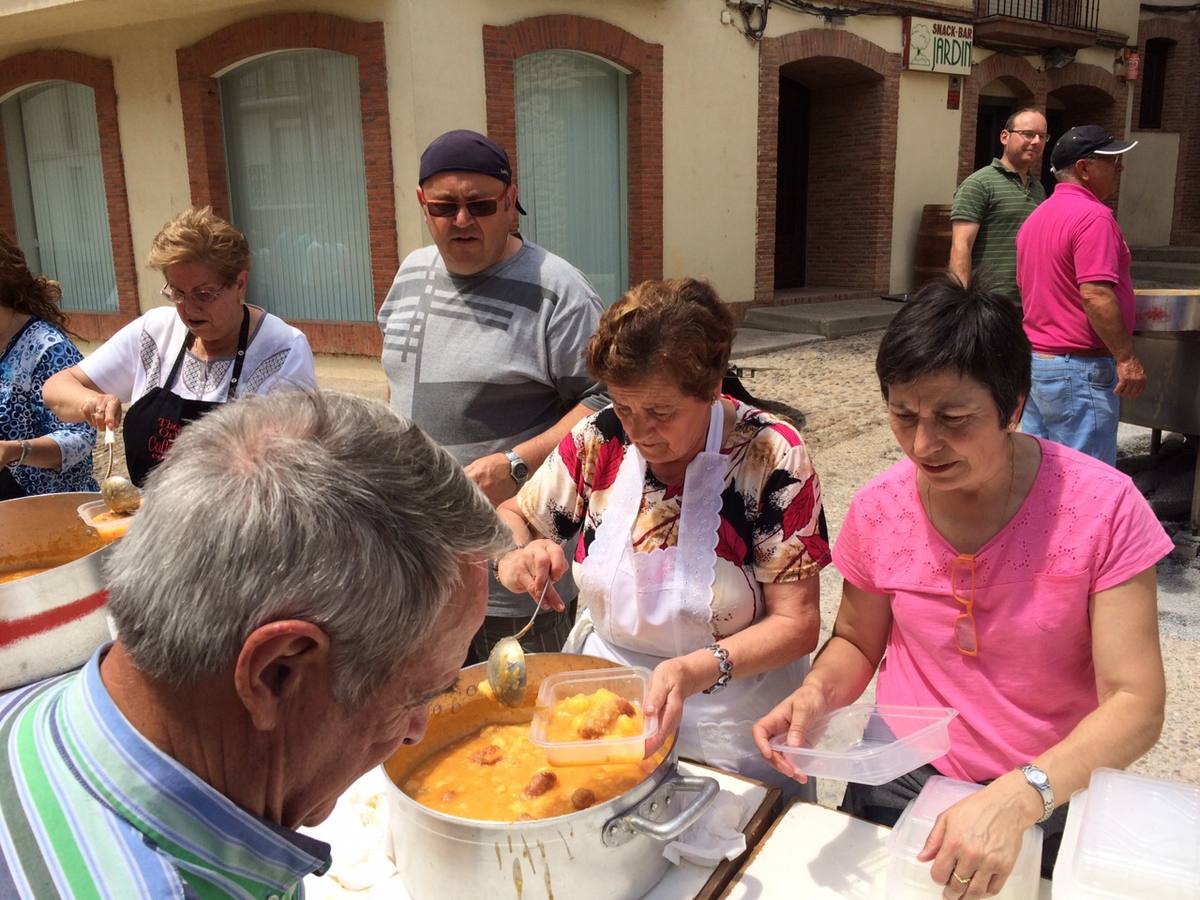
(141, 354)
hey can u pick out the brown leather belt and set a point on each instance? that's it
(1086, 352)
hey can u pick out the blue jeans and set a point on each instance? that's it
(1072, 402)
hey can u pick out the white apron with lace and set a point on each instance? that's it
(643, 608)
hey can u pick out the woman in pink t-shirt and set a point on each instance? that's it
(1007, 577)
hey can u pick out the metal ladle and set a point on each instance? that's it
(119, 493)
(506, 673)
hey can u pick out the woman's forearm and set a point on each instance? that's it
(65, 396)
(840, 673)
(44, 453)
(1115, 734)
(510, 515)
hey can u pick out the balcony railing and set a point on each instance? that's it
(1081, 14)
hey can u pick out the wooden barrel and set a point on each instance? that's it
(933, 243)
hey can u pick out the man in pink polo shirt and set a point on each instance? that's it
(1073, 271)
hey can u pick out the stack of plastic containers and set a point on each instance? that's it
(1129, 836)
(906, 879)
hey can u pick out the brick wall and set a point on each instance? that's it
(1181, 114)
(200, 102)
(63, 65)
(643, 61)
(855, 89)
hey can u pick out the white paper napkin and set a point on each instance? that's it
(715, 837)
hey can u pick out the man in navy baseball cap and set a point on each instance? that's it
(1074, 269)
(466, 151)
(1083, 141)
(483, 340)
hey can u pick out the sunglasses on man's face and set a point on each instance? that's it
(477, 209)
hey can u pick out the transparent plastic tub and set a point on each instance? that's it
(1129, 836)
(870, 744)
(629, 683)
(109, 527)
(906, 879)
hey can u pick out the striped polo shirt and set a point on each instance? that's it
(995, 198)
(90, 808)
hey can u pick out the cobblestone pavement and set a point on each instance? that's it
(833, 384)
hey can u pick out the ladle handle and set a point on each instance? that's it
(524, 631)
(109, 440)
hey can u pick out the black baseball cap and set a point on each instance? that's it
(1083, 141)
(466, 151)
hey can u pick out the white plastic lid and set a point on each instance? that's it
(908, 879)
(1137, 837)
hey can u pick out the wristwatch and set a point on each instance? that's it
(517, 467)
(1040, 782)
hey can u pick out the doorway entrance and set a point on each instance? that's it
(791, 184)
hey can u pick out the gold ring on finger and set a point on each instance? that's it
(960, 878)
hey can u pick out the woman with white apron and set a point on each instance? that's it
(730, 484)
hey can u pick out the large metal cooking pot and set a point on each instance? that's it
(53, 621)
(1166, 339)
(608, 851)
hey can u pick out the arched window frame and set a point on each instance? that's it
(503, 44)
(201, 63)
(26, 70)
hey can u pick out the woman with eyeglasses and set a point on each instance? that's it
(38, 453)
(175, 363)
(1007, 577)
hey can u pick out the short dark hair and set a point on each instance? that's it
(973, 330)
(1012, 120)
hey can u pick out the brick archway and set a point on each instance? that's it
(866, 154)
(997, 66)
(202, 62)
(503, 44)
(27, 69)
(1102, 95)
(1181, 99)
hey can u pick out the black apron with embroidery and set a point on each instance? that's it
(153, 422)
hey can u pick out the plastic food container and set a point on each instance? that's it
(629, 683)
(1129, 836)
(907, 879)
(109, 530)
(870, 744)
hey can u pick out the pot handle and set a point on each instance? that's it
(641, 820)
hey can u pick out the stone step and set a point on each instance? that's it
(836, 319)
(1179, 274)
(756, 341)
(1166, 254)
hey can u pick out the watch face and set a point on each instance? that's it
(1038, 777)
(520, 470)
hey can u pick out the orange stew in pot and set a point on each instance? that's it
(498, 774)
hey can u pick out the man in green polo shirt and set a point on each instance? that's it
(991, 204)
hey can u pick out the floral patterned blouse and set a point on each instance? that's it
(772, 527)
(35, 353)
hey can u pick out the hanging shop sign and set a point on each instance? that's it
(931, 45)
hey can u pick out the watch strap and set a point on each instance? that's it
(517, 467)
(1040, 782)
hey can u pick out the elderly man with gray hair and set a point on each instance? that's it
(305, 575)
